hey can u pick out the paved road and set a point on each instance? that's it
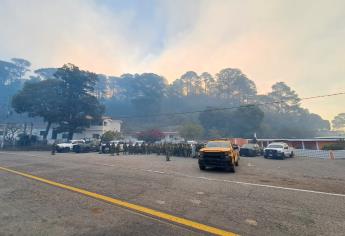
(264, 197)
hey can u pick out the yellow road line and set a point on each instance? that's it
(128, 205)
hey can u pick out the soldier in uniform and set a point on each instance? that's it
(136, 148)
(193, 150)
(167, 150)
(112, 149)
(106, 148)
(185, 150)
(158, 149)
(54, 147)
(100, 148)
(118, 149)
(146, 148)
(125, 149)
(179, 150)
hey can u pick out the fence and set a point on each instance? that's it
(322, 154)
(34, 147)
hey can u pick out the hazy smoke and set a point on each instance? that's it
(301, 43)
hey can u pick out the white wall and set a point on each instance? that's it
(108, 125)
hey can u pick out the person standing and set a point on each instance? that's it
(193, 150)
(54, 147)
(112, 149)
(125, 148)
(118, 149)
(167, 151)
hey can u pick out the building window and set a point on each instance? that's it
(42, 132)
(64, 135)
(95, 136)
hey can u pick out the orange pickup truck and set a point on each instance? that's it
(219, 153)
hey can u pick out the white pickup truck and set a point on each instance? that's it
(68, 146)
(278, 150)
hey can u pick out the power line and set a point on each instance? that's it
(229, 108)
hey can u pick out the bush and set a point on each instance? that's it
(335, 146)
(110, 135)
(191, 131)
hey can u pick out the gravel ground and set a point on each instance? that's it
(244, 202)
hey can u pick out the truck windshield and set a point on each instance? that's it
(275, 146)
(217, 144)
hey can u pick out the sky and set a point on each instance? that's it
(300, 42)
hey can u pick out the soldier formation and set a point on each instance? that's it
(166, 149)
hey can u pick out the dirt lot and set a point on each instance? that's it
(296, 196)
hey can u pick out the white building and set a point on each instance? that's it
(94, 131)
(169, 137)
(172, 137)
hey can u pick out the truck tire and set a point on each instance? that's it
(292, 155)
(231, 169)
(201, 167)
(283, 156)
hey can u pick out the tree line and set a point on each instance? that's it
(141, 100)
(147, 94)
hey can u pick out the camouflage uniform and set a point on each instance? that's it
(54, 148)
(112, 149)
(117, 149)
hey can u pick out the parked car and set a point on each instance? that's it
(251, 150)
(68, 146)
(278, 150)
(87, 146)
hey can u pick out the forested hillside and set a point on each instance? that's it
(143, 101)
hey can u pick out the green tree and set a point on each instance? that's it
(289, 100)
(40, 99)
(339, 121)
(189, 84)
(208, 83)
(246, 121)
(11, 81)
(242, 122)
(110, 135)
(233, 84)
(144, 92)
(78, 102)
(191, 131)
